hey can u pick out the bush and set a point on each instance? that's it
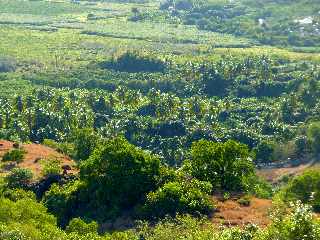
(85, 141)
(259, 187)
(19, 178)
(244, 201)
(298, 224)
(314, 137)
(18, 194)
(305, 188)
(7, 65)
(188, 228)
(64, 148)
(264, 152)
(179, 198)
(136, 62)
(51, 167)
(225, 165)
(214, 83)
(15, 155)
(28, 218)
(77, 225)
(60, 201)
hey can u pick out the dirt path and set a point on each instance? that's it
(273, 175)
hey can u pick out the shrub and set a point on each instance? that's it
(15, 155)
(18, 194)
(298, 224)
(60, 201)
(224, 165)
(214, 83)
(77, 225)
(27, 214)
(179, 198)
(7, 65)
(51, 167)
(188, 228)
(136, 62)
(65, 148)
(264, 152)
(314, 137)
(226, 196)
(305, 188)
(259, 187)
(19, 178)
(85, 141)
(244, 201)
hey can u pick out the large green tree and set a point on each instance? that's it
(120, 174)
(226, 165)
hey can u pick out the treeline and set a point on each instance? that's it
(234, 76)
(275, 128)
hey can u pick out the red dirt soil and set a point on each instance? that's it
(231, 213)
(34, 154)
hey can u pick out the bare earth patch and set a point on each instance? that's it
(35, 153)
(231, 213)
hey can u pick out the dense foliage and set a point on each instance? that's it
(169, 110)
(226, 165)
(304, 188)
(186, 196)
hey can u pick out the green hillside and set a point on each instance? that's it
(159, 120)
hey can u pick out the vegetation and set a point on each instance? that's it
(272, 22)
(169, 110)
(51, 167)
(304, 188)
(19, 178)
(15, 155)
(225, 166)
(179, 197)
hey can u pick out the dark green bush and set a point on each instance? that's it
(136, 62)
(314, 137)
(119, 174)
(264, 152)
(85, 141)
(77, 225)
(61, 201)
(186, 196)
(15, 155)
(19, 178)
(7, 64)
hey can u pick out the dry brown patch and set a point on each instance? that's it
(231, 213)
(34, 154)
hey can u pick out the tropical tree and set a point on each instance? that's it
(225, 165)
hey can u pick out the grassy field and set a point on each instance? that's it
(73, 39)
(78, 34)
